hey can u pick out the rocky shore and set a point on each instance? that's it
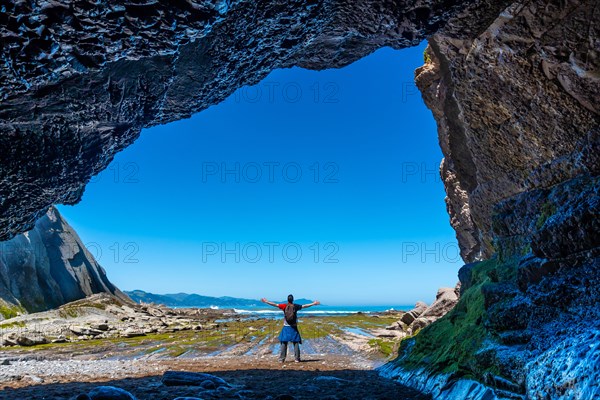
(104, 348)
(527, 322)
(103, 316)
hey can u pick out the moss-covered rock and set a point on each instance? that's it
(8, 310)
(526, 311)
(449, 345)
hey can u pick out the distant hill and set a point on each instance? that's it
(196, 300)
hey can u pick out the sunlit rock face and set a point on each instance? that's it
(48, 266)
(517, 107)
(80, 79)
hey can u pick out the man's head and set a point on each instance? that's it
(290, 298)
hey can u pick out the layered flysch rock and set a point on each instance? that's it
(516, 105)
(80, 79)
(48, 266)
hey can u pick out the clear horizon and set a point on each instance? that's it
(323, 184)
(283, 300)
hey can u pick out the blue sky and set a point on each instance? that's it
(322, 184)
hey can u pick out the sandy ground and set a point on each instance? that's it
(253, 377)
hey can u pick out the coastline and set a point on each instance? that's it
(336, 348)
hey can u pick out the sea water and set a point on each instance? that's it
(320, 311)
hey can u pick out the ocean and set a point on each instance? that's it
(271, 312)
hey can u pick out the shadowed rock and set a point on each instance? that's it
(181, 378)
(110, 393)
(516, 104)
(81, 79)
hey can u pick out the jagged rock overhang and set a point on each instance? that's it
(80, 79)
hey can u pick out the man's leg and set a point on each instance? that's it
(297, 351)
(283, 351)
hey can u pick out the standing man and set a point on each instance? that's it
(290, 333)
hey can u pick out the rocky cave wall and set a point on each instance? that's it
(516, 107)
(518, 122)
(80, 79)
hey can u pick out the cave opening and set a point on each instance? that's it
(331, 175)
(262, 195)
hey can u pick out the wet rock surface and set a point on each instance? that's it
(527, 324)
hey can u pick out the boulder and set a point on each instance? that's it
(110, 393)
(445, 301)
(422, 315)
(60, 339)
(182, 378)
(84, 330)
(31, 340)
(394, 326)
(408, 318)
(421, 323)
(208, 385)
(102, 326)
(155, 312)
(386, 333)
(413, 314)
(9, 340)
(131, 332)
(81, 397)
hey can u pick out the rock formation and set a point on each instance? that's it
(516, 106)
(527, 324)
(48, 266)
(104, 316)
(423, 315)
(518, 120)
(80, 79)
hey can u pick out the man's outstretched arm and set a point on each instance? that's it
(269, 302)
(314, 303)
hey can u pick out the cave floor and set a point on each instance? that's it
(326, 377)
